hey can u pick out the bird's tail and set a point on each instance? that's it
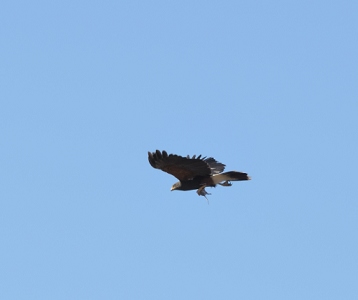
(230, 176)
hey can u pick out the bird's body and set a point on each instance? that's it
(188, 185)
(194, 173)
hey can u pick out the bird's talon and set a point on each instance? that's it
(226, 183)
(202, 192)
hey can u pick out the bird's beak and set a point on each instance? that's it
(172, 189)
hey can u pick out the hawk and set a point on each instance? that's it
(194, 173)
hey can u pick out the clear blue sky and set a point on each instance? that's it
(266, 87)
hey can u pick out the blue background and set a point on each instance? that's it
(266, 87)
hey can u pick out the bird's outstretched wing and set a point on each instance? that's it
(184, 168)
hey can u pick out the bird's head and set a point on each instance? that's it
(176, 186)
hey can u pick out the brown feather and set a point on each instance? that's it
(183, 168)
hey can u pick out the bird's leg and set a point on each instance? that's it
(201, 191)
(226, 183)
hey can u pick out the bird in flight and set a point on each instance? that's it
(194, 173)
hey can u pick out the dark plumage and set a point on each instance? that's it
(194, 173)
